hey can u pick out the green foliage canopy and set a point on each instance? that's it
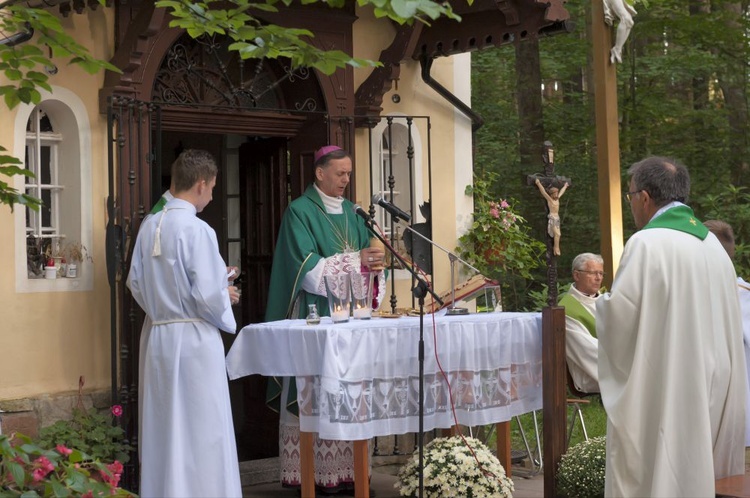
(253, 38)
(23, 66)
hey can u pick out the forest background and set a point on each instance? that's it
(682, 92)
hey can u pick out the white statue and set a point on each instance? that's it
(624, 12)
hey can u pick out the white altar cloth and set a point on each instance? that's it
(360, 379)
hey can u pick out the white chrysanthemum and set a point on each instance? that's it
(581, 471)
(452, 470)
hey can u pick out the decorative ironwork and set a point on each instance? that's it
(203, 71)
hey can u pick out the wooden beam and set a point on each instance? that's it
(553, 394)
(503, 446)
(607, 144)
(307, 465)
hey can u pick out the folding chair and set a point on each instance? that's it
(576, 402)
(534, 456)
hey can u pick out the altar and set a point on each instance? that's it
(360, 379)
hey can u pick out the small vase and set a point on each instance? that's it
(71, 271)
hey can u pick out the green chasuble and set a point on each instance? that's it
(679, 218)
(307, 235)
(574, 309)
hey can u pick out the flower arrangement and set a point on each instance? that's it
(451, 469)
(581, 471)
(498, 241)
(90, 432)
(27, 469)
(75, 252)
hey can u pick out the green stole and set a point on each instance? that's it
(679, 218)
(306, 235)
(574, 309)
(159, 205)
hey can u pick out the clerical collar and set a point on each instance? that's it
(333, 205)
(592, 296)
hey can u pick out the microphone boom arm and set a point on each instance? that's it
(451, 255)
(453, 258)
(421, 282)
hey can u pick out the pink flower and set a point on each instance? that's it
(115, 467)
(38, 474)
(87, 494)
(43, 463)
(61, 449)
(495, 212)
(117, 410)
(504, 205)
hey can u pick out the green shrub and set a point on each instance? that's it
(581, 471)
(90, 432)
(30, 470)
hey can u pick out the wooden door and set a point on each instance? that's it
(263, 198)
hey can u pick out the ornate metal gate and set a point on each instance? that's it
(134, 163)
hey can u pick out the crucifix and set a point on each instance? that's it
(552, 187)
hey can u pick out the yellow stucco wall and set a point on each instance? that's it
(49, 339)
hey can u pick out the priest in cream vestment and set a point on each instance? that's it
(671, 361)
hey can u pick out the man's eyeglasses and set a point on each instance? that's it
(629, 195)
(591, 272)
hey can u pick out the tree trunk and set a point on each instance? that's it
(529, 91)
(733, 83)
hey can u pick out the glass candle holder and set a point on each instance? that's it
(338, 289)
(362, 295)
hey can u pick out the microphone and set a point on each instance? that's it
(392, 209)
(361, 212)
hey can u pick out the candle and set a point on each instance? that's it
(340, 315)
(363, 312)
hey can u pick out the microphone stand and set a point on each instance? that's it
(452, 309)
(419, 291)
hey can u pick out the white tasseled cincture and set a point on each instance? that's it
(177, 320)
(157, 236)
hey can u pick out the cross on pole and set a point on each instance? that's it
(551, 187)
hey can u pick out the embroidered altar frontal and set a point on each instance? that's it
(360, 379)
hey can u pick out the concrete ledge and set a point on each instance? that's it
(261, 471)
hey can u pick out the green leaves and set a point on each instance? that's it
(30, 470)
(254, 39)
(24, 66)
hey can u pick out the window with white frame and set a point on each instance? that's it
(395, 168)
(54, 159)
(42, 159)
(397, 162)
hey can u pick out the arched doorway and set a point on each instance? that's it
(262, 122)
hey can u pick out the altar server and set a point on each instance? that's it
(180, 280)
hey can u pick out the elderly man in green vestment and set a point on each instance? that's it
(581, 345)
(320, 235)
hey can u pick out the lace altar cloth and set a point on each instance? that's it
(360, 379)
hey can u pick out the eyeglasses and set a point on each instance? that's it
(629, 195)
(591, 272)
